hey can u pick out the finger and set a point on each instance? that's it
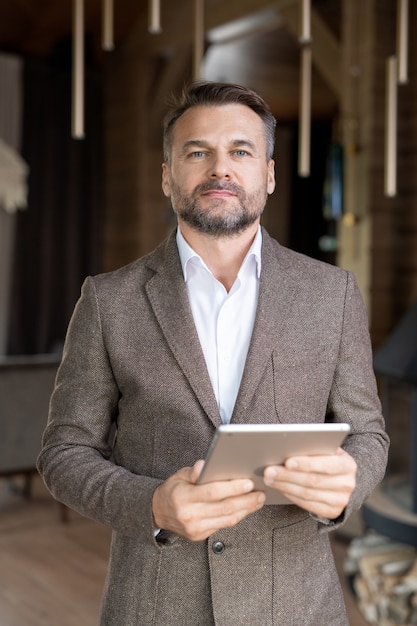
(218, 491)
(209, 518)
(325, 496)
(195, 471)
(280, 478)
(316, 490)
(324, 509)
(339, 463)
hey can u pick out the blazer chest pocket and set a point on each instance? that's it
(301, 388)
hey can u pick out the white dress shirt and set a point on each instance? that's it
(224, 320)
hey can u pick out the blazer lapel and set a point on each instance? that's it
(276, 296)
(169, 300)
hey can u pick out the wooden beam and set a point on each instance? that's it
(326, 48)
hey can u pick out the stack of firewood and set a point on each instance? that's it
(383, 575)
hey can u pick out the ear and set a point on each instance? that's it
(166, 180)
(271, 177)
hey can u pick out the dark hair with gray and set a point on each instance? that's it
(205, 93)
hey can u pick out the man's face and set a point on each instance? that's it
(218, 178)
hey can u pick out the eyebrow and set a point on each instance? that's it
(194, 143)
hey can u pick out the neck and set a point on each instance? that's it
(222, 255)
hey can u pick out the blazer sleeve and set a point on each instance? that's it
(75, 460)
(354, 399)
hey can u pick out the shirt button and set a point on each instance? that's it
(218, 547)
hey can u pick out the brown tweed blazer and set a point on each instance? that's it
(132, 356)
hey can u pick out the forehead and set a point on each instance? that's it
(224, 123)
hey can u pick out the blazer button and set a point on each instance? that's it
(218, 547)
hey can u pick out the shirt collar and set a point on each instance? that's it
(186, 253)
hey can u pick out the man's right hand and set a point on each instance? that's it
(196, 511)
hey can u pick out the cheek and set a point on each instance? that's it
(185, 185)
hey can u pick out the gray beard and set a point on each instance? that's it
(211, 222)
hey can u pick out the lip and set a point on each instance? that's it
(219, 193)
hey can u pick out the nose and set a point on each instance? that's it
(220, 168)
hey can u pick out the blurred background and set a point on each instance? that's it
(80, 170)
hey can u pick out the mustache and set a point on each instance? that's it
(215, 185)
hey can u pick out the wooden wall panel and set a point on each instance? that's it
(394, 219)
(381, 245)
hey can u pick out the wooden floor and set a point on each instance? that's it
(52, 573)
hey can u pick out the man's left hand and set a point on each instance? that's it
(321, 485)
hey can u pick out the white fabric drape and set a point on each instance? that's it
(13, 192)
(13, 174)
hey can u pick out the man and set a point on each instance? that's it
(219, 323)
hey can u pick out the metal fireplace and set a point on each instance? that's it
(392, 509)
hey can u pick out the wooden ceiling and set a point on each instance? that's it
(35, 27)
(265, 57)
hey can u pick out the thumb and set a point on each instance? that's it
(196, 471)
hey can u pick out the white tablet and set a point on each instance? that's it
(244, 450)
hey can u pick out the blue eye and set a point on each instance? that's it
(197, 154)
(241, 153)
